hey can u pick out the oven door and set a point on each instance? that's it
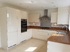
(23, 25)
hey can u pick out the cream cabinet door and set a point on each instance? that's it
(13, 25)
(24, 15)
(41, 34)
(63, 15)
(12, 38)
(54, 17)
(13, 19)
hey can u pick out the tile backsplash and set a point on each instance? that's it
(33, 24)
(59, 25)
(52, 24)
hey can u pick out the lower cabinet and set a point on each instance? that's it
(26, 35)
(57, 47)
(42, 34)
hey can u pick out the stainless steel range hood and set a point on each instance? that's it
(45, 20)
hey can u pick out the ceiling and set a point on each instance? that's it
(36, 4)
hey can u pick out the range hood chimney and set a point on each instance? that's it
(46, 14)
(45, 20)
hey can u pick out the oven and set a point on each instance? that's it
(23, 25)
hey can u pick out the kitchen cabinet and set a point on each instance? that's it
(57, 47)
(13, 25)
(24, 15)
(54, 17)
(26, 35)
(63, 14)
(12, 38)
(10, 26)
(10, 23)
(42, 34)
(33, 19)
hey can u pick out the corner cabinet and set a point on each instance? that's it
(63, 15)
(10, 26)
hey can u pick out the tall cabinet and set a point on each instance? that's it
(27, 34)
(10, 26)
(13, 26)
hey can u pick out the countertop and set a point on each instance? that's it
(60, 38)
(47, 28)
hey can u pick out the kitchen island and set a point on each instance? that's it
(58, 43)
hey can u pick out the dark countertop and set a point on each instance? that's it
(47, 28)
(60, 38)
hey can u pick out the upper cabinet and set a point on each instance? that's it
(13, 17)
(33, 19)
(24, 15)
(54, 17)
(63, 15)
